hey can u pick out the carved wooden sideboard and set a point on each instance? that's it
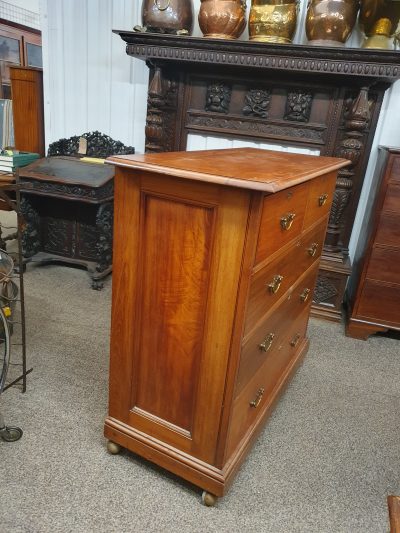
(216, 256)
(327, 99)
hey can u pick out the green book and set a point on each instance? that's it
(20, 159)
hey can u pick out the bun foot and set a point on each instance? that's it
(208, 499)
(113, 448)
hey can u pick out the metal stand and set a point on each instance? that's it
(18, 371)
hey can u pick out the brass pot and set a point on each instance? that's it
(168, 16)
(273, 21)
(379, 20)
(330, 22)
(222, 19)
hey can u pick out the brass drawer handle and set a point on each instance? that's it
(313, 249)
(305, 294)
(267, 342)
(294, 342)
(256, 402)
(287, 221)
(322, 199)
(275, 284)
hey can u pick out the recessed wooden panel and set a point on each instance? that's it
(283, 205)
(388, 230)
(177, 246)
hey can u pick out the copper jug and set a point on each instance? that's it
(167, 16)
(330, 22)
(222, 19)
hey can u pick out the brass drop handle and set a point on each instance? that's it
(257, 400)
(287, 220)
(305, 294)
(267, 342)
(313, 249)
(294, 342)
(275, 284)
(322, 199)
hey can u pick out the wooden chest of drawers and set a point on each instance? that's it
(374, 289)
(215, 259)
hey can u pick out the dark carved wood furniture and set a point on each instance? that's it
(216, 257)
(326, 99)
(28, 114)
(374, 288)
(68, 205)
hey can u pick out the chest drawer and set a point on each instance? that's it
(395, 170)
(319, 198)
(392, 198)
(281, 220)
(384, 265)
(268, 336)
(258, 392)
(388, 230)
(271, 282)
(380, 302)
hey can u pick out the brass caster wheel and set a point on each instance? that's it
(113, 448)
(10, 433)
(208, 499)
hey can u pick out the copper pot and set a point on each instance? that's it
(330, 22)
(273, 21)
(379, 20)
(168, 16)
(222, 19)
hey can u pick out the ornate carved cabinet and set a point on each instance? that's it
(374, 288)
(322, 99)
(68, 208)
(216, 255)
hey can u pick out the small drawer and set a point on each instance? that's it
(271, 282)
(281, 220)
(384, 265)
(320, 198)
(268, 335)
(395, 170)
(392, 198)
(388, 229)
(380, 303)
(264, 383)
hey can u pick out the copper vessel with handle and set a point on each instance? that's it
(167, 16)
(330, 22)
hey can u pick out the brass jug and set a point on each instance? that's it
(167, 16)
(330, 22)
(222, 19)
(273, 21)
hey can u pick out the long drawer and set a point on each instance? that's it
(380, 302)
(259, 391)
(392, 197)
(270, 283)
(384, 265)
(267, 338)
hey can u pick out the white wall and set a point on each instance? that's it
(30, 5)
(90, 83)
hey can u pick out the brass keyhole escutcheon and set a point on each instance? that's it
(162, 6)
(287, 220)
(294, 342)
(305, 294)
(322, 199)
(257, 400)
(275, 284)
(267, 342)
(313, 249)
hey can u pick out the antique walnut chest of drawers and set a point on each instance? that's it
(216, 255)
(373, 294)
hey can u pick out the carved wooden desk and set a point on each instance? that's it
(216, 257)
(68, 208)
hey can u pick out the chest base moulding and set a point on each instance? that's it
(325, 100)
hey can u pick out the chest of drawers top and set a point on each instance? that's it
(247, 168)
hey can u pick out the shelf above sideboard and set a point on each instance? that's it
(374, 65)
